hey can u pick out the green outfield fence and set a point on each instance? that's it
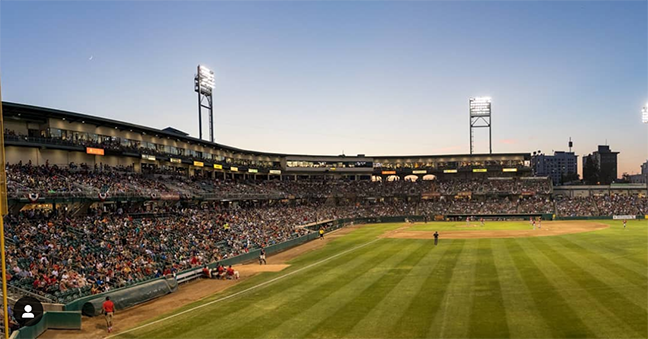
(60, 320)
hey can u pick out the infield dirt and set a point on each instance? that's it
(548, 229)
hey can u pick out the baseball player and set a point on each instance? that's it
(625, 222)
(436, 238)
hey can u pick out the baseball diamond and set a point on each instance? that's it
(305, 169)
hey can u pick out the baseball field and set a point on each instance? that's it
(391, 281)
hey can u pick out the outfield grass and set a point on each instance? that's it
(584, 285)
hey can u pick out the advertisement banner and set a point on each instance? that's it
(388, 172)
(175, 160)
(95, 151)
(622, 217)
(199, 163)
(450, 171)
(419, 172)
(253, 170)
(509, 169)
(275, 172)
(234, 169)
(479, 170)
(218, 166)
(148, 157)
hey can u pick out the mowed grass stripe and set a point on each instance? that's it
(338, 324)
(523, 319)
(608, 296)
(358, 236)
(415, 321)
(228, 314)
(550, 304)
(625, 245)
(292, 291)
(610, 274)
(310, 317)
(488, 314)
(453, 317)
(633, 271)
(598, 319)
(385, 314)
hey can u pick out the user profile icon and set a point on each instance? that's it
(28, 311)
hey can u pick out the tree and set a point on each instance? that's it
(590, 170)
(569, 177)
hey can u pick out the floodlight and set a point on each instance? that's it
(205, 79)
(644, 114)
(480, 117)
(204, 86)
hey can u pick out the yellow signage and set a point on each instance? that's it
(388, 172)
(450, 171)
(175, 160)
(479, 170)
(509, 169)
(95, 151)
(218, 166)
(234, 169)
(199, 163)
(253, 170)
(419, 172)
(275, 172)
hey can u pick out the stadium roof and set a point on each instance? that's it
(36, 113)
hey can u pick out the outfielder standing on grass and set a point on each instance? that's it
(436, 238)
(108, 309)
(625, 221)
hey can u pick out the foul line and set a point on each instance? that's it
(241, 292)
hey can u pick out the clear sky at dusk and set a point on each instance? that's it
(358, 76)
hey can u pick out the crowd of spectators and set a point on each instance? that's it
(52, 254)
(577, 206)
(617, 204)
(90, 180)
(496, 186)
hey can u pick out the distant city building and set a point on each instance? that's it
(560, 167)
(637, 179)
(600, 167)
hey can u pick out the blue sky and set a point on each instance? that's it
(380, 77)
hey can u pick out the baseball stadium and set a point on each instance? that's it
(120, 218)
(193, 239)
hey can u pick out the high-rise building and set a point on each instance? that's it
(603, 167)
(560, 167)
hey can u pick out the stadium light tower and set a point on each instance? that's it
(204, 86)
(480, 117)
(644, 114)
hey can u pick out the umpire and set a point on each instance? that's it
(436, 238)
